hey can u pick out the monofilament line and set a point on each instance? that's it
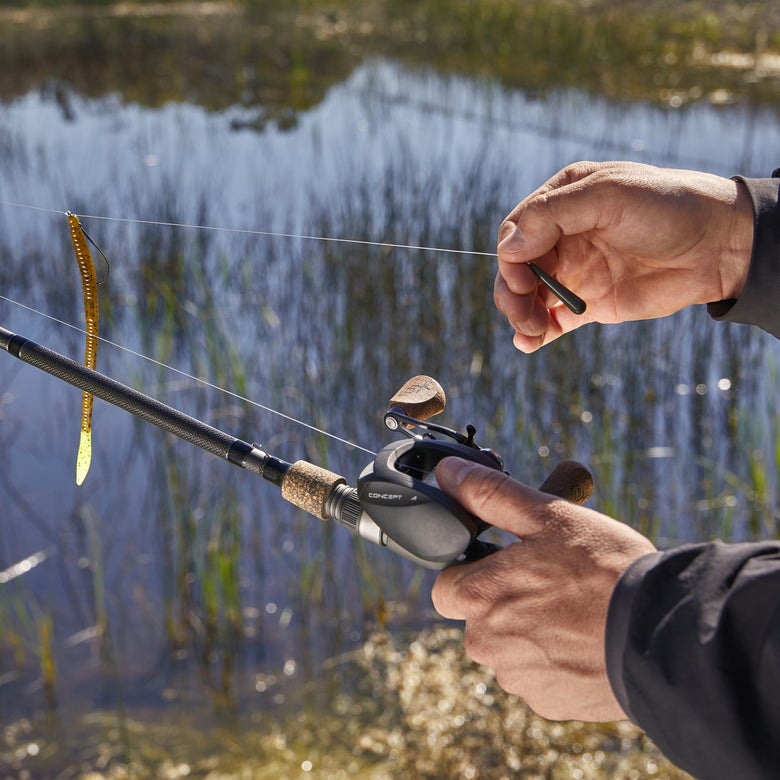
(564, 294)
(184, 374)
(264, 233)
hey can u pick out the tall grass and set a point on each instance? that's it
(28, 644)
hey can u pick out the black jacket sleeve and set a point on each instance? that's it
(693, 655)
(693, 634)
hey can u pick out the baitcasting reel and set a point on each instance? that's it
(399, 497)
(398, 490)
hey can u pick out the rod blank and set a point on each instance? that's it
(195, 431)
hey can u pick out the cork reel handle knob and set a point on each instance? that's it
(421, 397)
(570, 480)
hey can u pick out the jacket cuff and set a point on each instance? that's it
(757, 305)
(618, 623)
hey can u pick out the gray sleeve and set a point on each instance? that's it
(758, 303)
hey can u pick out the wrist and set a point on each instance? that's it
(738, 247)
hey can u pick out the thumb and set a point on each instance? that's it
(566, 205)
(493, 496)
(532, 237)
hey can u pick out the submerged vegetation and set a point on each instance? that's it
(417, 710)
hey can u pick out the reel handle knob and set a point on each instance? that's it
(421, 397)
(570, 480)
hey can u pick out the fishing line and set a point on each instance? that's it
(566, 296)
(266, 233)
(32, 208)
(184, 374)
(572, 301)
(242, 231)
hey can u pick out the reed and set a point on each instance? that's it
(29, 641)
(14, 618)
(94, 535)
(47, 656)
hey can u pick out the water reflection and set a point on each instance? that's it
(179, 582)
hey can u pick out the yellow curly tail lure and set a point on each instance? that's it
(89, 285)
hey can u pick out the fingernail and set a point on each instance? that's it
(453, 471)
(514, 242)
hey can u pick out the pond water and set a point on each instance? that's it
(173, 589)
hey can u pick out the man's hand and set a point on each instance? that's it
(536, 611)
(634, 241)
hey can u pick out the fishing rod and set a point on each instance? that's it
(396, 504)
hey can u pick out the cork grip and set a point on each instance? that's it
(421, 397)
(309, 486)
(569, 480)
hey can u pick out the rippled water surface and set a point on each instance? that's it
(174, 589)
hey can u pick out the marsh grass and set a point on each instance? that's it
(29, 643)
(659, 51)
(94, 532)
(222, 551)
(45, 625)
(217, 562)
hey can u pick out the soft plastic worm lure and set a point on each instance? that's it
(89, 285)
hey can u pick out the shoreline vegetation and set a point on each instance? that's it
(283, 60)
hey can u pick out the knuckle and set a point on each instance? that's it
(580, 170)
(482, 591)
(473, 597)
(445, 596)
(505, 228)
(476, 646)
(487, 488)
(463, 592)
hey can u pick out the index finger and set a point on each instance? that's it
(561, 206)
(493, 496)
